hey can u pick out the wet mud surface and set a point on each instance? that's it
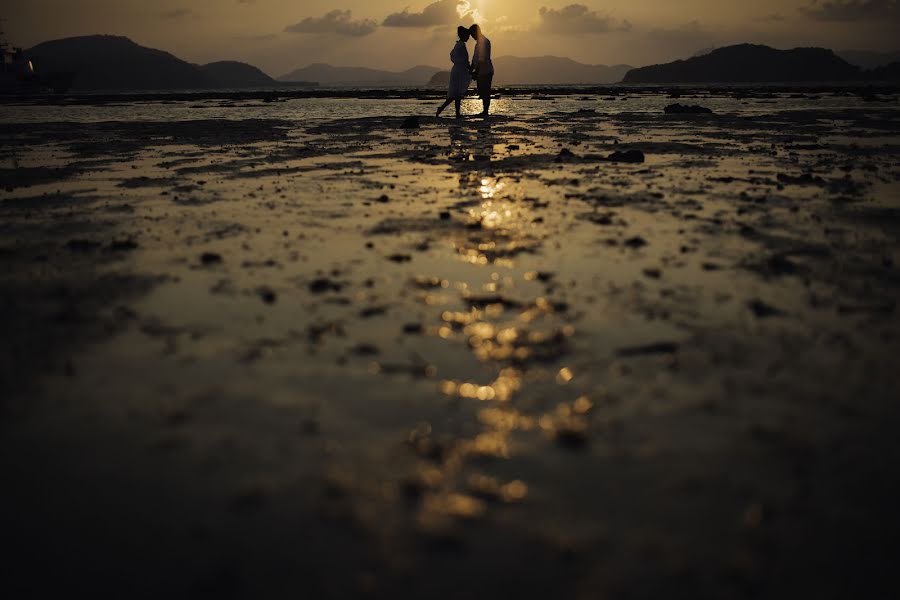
(583, 353)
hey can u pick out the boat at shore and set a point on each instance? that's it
(19, 76)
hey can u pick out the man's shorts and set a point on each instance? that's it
(484, 85)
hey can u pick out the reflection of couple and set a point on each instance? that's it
(481, 69)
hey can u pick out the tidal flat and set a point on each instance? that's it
(323, 348)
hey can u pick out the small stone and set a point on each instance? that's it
(413, 328)
(267, 295)
(684, 109)
(365, 350)
(565, 154)
(762, 310)
(628, 156)
(210, 258)
(636, 242)
(323, 284)
(122, 245)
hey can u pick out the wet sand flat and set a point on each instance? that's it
(590, 350)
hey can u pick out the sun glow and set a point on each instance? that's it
(475, 10)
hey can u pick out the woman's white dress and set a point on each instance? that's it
(460, 78)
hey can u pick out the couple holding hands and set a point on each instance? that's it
(481, 70)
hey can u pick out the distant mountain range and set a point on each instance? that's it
(328, 75)
(106, 62)
(868, 59)
(553, 70)
(546, 70)
(750, 63)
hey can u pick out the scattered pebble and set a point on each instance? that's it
(627, 156)
(267, 295)
(210, 258)
(763, 310)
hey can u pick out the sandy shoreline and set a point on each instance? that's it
(431, 93)
(359, 357)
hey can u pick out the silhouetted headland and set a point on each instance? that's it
(750, 63)
(108, 62)
(233, 74)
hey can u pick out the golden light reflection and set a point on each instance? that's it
(490, 187)
(501, 389)
(488, 487)
(564, 376)
(523, 340)
(492, 214)
(460, 506)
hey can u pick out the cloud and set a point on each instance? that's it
(442, 12)
(853, 10)
(176, 13)
(338, 22)
(577, 18)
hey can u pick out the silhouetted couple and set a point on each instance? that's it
(481, 69)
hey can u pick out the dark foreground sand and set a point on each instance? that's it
(270, 359)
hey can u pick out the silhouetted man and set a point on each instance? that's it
(482, 67)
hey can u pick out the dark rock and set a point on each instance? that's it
(685, 109)
(600, 218)
(565, 154)
(372, 311)
(399, 258)
(763, 310)
(267, 294)
(323, 284)
(628, 156)
(636, 242)
(365, 350)
(445, 215)
(804, 179)
(413, 328)
(780, 264)
(122, 245)
(657, 348)
(210, 258)
(571, 434)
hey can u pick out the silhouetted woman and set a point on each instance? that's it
(459, 75)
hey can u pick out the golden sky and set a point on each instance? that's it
(280, 35)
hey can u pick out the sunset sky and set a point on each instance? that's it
(280, 35)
